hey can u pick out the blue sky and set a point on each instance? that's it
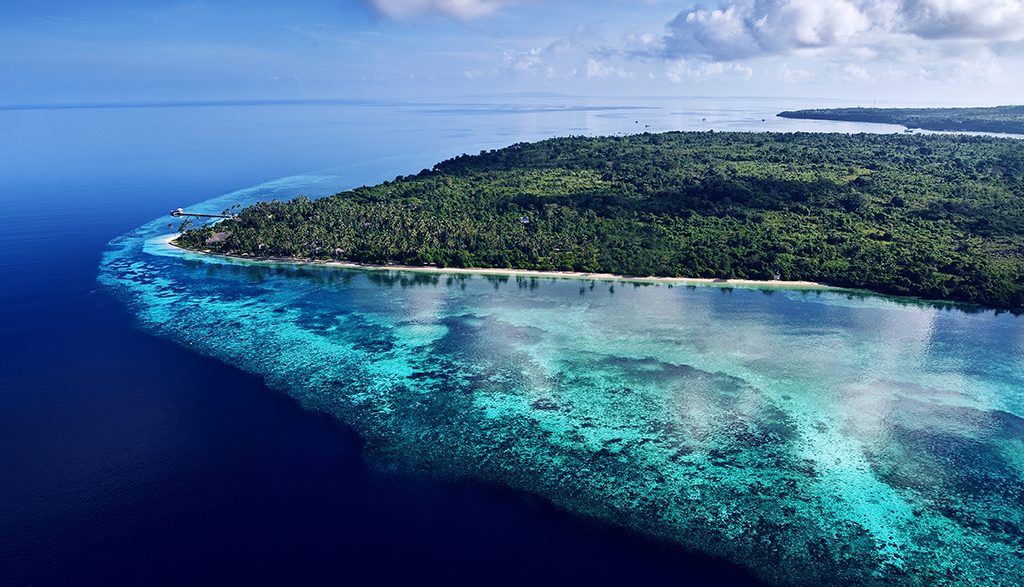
(895, 52)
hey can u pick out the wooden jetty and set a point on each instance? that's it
(180, 212)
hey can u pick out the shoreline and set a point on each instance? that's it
(705, 281)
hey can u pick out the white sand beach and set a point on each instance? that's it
(747, 283)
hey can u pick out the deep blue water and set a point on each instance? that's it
(126, 459)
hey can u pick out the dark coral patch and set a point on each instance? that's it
(544, 404)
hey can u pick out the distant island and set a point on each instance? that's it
(1000, 119)
(935, 216)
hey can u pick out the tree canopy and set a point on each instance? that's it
(938, 217)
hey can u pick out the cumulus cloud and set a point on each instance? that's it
(783, 73)
(744, 28)
(682, 70)
(855, 73)
(740, 29)
(964, 19)
(892, 74)
(751, 28)
(643, 44)
(600, 70)
(839, 41)
(583, 49)
(981, 69)
(523, 60)
(460, 9)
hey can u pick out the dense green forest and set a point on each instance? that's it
(939, 217)
(1005, 119)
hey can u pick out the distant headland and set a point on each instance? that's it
(996, 119)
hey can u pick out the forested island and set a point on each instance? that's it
(1001, 119)
(935, 216)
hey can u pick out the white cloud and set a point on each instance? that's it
(980, 70)
(578, 50)
(643, 43)
(740, 29)
(894, 75)
(682, 70)
(823, 41)
(460, 9)
(785, 74)
(964, 19)
(600, 70)
(523, 60)
(847, 73)
(855, 73)
(751, 28)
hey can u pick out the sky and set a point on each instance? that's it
(869, 52)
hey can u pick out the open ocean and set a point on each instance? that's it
(127, 457)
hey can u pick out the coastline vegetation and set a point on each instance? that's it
(939, 217)
(1001, 119)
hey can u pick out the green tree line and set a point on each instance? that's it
(1002, 119)
(932, 216)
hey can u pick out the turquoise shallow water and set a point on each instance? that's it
(817, 438)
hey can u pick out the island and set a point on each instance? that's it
(939, 217)
(996, 119)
